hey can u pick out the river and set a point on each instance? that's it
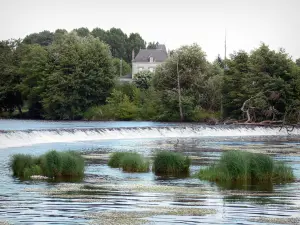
(106, 192)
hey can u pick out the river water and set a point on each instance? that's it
(106, 192)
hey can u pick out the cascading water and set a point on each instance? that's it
(17, 138)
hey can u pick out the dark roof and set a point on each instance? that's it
(158, 55)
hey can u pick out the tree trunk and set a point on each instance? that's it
(179, 94)
(246, 111)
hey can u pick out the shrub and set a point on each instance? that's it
(115, 159)
(134, 162)
(103, 112)
(171, 163)
(246, 166)
(52, 164)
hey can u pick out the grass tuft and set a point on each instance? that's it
(134, 162)
(115, 159)
(52, 164)
(246, 166)
(129, 162)
(170, 163)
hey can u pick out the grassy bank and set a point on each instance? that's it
(246, 166)
(52, 164)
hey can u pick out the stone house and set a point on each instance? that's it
(148, 59)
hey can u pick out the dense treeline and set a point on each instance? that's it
(74, 75)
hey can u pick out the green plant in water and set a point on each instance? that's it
(171, 163)
(247, 167)
(115, 159)
(134, 162)
(52, 164)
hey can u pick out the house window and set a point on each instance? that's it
(151, 69)
(151, 59)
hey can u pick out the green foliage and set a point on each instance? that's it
(128, 161)
(134, 162)
(34, 70)
(143, 79)
(127, 102)
(20, 162)
(82, 32)
(265, 78)
(81, 75)
(52, 164)
(247, 167)
(170, 163)
(200, 83)
(201, 115)
(117, 66)
(115, 159)
(69, 76)
(10, 96)
(152, 45)
(44, 38)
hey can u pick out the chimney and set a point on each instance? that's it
(133, 54)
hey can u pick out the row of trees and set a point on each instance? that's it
(261, 86)
(121, 44)
(74, 75)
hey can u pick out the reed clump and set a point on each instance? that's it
(171, 163)
(52, 164)
(115, 159)
(129, 162)
(246, 166)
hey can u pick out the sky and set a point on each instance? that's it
(174, 23)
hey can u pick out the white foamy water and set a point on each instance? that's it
(20, 138)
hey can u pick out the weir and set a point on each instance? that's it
(18, 138)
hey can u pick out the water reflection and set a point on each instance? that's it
(246, 186)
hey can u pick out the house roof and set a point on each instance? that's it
(159, 55)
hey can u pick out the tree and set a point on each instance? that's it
(33, 69)
(44, 38)
(152, 45)
(82, 32)
(143, 79)
(298, 62)
(117, 63)
(80, 75)
(10, 96)
(134, 42)
(116, 39)
(261, 83)
(182, 75)
(100, 33)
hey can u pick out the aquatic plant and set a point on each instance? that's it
(52, 164)
(115, 159)
(134, 162)
(171, 163)
(129, 162)
(247, 166)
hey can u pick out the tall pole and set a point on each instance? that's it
(121, 67)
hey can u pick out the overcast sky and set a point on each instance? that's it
(174, 23)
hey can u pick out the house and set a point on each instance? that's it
(148, 59)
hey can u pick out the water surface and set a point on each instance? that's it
(28, 203)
